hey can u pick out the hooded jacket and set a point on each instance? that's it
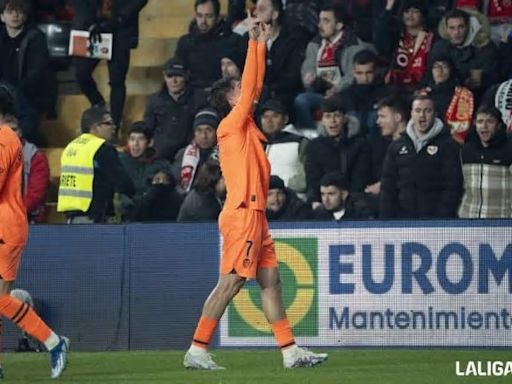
(421, 178)
(477, 52)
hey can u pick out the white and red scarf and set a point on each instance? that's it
(189, 165)
(410, 60)
(326, 65)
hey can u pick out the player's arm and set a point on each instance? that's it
(249, 81)
(261, 52)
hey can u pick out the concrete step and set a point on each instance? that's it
(139, 80)
(152, 52)
(60, 132)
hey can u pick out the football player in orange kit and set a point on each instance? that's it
(13, 237)
(247, 249)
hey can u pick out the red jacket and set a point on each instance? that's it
(37, 186)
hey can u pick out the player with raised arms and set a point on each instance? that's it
(247, 250)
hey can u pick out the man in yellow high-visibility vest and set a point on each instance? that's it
(91, 172)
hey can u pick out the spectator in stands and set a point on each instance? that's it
(500, 96)
(204, 201)
(140, 163)
(285, 53)
(328, 60)
(342, 150)
(362, 15)
(139, 158)
(91, 172)
(161, 202)
(36, 175)
(283, 203)
(487, 168)
(422, 177)
(208, 38)
(405, 41)
(202, 148)
(232, 64)
(454, 103)
(119, 17)
(361, 97)
(24, 66)
(465, 39)
(285, 150)
(170, 112)
(392, 118)
(338, 203)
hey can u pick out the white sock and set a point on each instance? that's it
(288, 352)
(52, 341)
(195, 350)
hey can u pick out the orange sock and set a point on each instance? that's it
(283, 333)
(23, 316)
(204, 332)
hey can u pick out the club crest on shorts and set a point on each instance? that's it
(432, 149)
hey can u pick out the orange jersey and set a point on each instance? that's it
(244, 165)
(13, 216)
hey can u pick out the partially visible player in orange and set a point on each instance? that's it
(13, 237)
(247, 250)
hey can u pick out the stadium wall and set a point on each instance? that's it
(428, 283)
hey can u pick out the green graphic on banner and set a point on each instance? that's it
(298, 264)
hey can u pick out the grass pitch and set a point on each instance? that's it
(347, 366)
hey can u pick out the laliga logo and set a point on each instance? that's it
(304, 297)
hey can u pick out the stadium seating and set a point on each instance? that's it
(160, 27)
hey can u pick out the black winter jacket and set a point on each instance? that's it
(427, 184)
(201, 52)
(348, 156)
(170, 121)
(24, 64)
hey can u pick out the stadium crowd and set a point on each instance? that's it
(371, 109)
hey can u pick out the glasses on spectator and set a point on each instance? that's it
(107, 122)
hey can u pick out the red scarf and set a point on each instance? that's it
(459, 113)
(467, 4)
(411, 57)
(499, 9)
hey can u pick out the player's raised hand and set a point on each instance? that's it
(252, 22)
(264, 32)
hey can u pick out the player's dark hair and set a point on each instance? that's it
(218, 95)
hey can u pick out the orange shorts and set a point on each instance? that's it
(10, 257)
(247, 244)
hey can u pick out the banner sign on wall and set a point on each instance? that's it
(426, 285)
